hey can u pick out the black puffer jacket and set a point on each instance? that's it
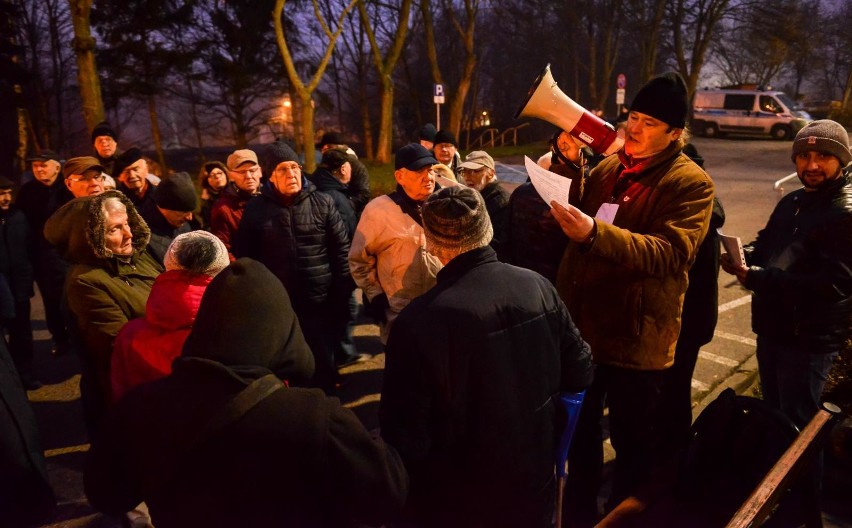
(302, 241)
(800, 269)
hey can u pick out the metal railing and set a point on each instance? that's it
(481, 141)
(778, 186)
(514, 132)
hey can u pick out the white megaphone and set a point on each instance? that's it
(546, 101)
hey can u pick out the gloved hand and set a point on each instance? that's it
(376, 308)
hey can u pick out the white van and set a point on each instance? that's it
(716, 112)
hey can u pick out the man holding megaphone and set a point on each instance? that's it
(634, 236)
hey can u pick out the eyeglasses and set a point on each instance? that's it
(98, 178)
(473, 171)
(246, 172)
(293, 167)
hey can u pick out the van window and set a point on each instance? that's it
(769, 104)
(739, 102)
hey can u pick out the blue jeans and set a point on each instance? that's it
(792, 379)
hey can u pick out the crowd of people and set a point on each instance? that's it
(212, 316)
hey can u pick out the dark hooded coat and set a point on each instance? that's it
(296, 458)
(103, 291)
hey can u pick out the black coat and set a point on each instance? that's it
(38, 202)
(497, 204)
(701, 301)
(800, 269)
(473, 368)
(330, 185)
(302, 241)
(358, 189)
(16, 248)
(294, 458)
(25, 494)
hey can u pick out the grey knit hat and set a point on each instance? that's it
(455, 221)
(825, 136)
(197, 252)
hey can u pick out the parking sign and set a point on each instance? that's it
(438, 94)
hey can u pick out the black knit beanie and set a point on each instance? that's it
(176, 193)
(445, 136)
(664, 98)
(455, 221)
(273, 154)
(103, 129)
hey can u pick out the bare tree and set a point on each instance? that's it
(302, 89)
(385, 63)
(694, 25)
(243, 78)
(87, 72)
(601, 22)
(646, 17)
(465, 28)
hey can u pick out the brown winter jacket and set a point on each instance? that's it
(625, 290)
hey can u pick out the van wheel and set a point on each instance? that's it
(780, 132)
(711, 130)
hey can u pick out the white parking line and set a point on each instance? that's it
(735, 303)
(728, 362)
(734, 337)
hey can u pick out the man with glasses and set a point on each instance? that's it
(84, 176)
(244, 174)
(297, 232)
(478, 173)
(131, 171)
(38, 199)
(388, 259)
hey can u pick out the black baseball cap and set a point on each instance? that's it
(44, 155)
(414, 157)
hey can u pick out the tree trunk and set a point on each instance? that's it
(196, 123)
(87, 72)
(385, 139)
(308, 139)
(155, 133)
(847, 93)
(366, 122)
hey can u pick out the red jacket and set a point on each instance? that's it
(145, 347)
(226, 215)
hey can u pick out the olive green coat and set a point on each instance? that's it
(103, 291)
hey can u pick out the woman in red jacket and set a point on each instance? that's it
(145, 347)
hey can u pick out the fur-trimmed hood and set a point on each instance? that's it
(77, 229)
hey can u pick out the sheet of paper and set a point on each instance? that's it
(606, 212)
(550, 186)
(733, 246)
